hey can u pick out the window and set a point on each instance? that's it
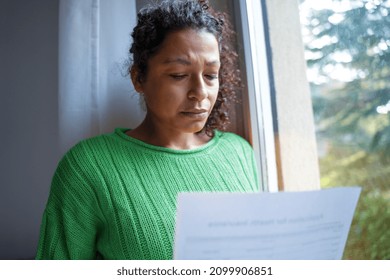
(347, 49)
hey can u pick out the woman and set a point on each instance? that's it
(114, 196)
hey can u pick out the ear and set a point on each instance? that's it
(134, 73)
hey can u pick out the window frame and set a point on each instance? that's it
(259, 93)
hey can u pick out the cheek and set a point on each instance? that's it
(213, 96)
(164, 95)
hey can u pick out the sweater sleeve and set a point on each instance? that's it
(70, 221)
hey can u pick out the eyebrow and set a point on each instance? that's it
(214, 62)
(178, 60)
(184, 61)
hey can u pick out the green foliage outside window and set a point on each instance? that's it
(347, 48)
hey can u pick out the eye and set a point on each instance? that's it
(211, 77)
(178, 76)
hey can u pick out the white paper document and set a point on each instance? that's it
(308, 225)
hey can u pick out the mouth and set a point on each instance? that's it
(196, 113)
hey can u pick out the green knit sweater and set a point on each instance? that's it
(114, 197)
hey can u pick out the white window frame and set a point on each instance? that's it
(259, 93)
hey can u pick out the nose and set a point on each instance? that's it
(198, 88)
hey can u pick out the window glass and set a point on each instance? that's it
(347, 49)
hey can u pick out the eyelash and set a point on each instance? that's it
(212, 77)
(180, 77)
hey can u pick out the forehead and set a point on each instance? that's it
(188, 44)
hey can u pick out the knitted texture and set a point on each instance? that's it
(114, 197)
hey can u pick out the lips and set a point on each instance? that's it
(196, 113)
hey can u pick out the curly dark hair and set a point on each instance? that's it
(156, 21)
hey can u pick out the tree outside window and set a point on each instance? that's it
(347, 49)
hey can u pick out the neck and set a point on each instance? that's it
(169, 138)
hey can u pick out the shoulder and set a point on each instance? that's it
(94, 146)
(79, 171)
(85, 155)
(230, 138)
(233, 144)
(96, 154)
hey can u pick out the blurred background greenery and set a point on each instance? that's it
(347, 49)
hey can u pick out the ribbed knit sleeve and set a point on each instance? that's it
(70, 222)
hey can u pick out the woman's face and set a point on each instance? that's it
(182, 84)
